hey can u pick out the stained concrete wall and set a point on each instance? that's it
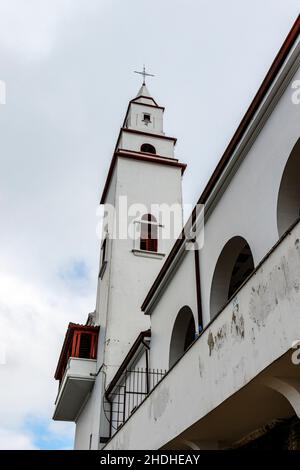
(256, 328)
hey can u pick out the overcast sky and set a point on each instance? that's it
(68, 67)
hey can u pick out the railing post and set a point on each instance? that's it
(124, 399)
(147, 372)
(111, 417)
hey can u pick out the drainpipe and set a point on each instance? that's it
(197, 274)
(147, 366)
(198, 289)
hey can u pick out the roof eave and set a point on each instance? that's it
(233, 144)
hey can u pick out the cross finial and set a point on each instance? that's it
(145, 74)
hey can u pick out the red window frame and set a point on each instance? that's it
(149, 233)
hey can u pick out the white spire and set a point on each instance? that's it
(143, 91)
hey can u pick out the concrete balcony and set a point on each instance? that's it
(238, 376)
(75, 370)
(76, 384)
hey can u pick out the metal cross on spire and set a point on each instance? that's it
(145, 74)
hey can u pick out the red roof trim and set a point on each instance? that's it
(145, 97)
(146, 104)
(262, 91)
(255, 104)
(152, 158)
(126, 361)
(125, 151)
(112, 163)
(68, 338)
(158, 136)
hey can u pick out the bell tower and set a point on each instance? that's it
(143, 172)
(143, 175)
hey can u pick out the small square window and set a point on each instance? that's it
(147, 118)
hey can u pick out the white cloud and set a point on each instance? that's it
(32, 28)
(14, 440)
(32, 326)
(28, 27)
(68, 69)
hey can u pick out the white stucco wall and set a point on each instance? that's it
(130, 141)
(88, 421)
(248, 207)
(130, 275)
(134, 121)
(180, 291)
(127, 277)
(84, 426)
(136, 115)
(256, 328)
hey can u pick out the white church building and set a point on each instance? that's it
(194, 340)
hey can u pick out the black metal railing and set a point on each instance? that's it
(135, 385)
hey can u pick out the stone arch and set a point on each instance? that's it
(234, 265)
(148, 148)
(149, 233)
(183, 334)
(288, 202)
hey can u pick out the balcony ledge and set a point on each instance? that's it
(148, 254)
(76, 384)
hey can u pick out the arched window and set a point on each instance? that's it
(288, 203)
(149, 235)
(234, 265)
(183, 334)
(148, 148)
